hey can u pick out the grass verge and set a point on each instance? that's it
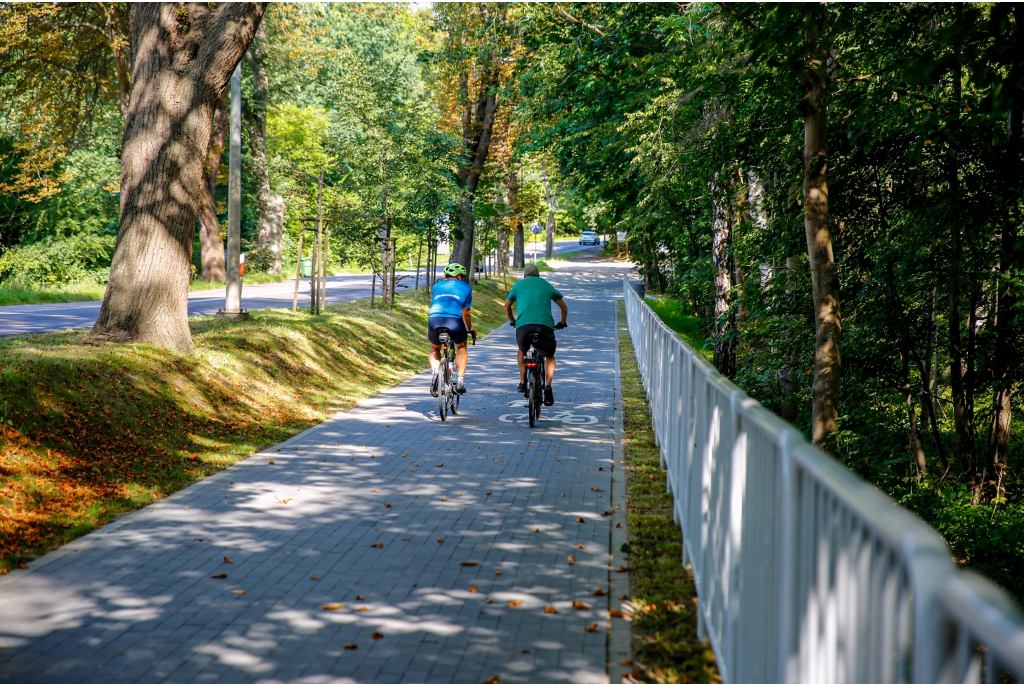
(665, 644)
(72, 292)
(90, 431)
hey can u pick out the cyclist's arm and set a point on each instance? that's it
(467, 316)
(508, 310)
(562, 308)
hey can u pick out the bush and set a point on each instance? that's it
(78, 259)
(258, 258)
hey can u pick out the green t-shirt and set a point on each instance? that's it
(533, 297)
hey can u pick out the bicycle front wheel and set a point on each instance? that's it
(443, 388)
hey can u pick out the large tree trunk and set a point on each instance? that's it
(477, 124)
(824, 280)
(1004, 363)
(519, 246)
(182, 56)
(271, 207)
(721, 257)
(210, 245)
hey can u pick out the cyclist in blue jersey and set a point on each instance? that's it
(451, 300)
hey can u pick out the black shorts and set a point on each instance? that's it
(456, 327)
(546, 342)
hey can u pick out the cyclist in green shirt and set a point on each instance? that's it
(533, 297)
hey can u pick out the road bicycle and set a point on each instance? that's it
(447, 397)
(535, 379)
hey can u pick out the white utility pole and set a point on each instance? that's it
(233, 299)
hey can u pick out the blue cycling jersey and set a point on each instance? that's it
(450, 297)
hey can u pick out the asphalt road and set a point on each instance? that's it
(40, 318)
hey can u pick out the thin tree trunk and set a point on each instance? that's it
(916, 451)
(551, 198)
(182, 56)
(210, 244)
(271, 214)
(724, 357)
(1003, 363)
(824, 280)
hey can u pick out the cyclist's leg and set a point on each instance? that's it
(549, 370)
(522, 366)
(461, 358)
(434, 357)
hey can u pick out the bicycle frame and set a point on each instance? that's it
(535, 379)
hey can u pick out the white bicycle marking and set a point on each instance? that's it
(563, 416)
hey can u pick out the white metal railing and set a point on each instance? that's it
(806, 573)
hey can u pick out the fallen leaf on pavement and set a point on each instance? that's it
(351, 645)
(198, 539)
(618, 525)
(377, 491)
(238, 592)
(577, 604)
(615, 613)
(580, 546)
(572, 559)
(599, 592)
(377, 544)
(228, 561)
(440, 465)
(622, 569)
(440, 539)
(600, 468)
(376, 636)
(626, 662)
(536, 530)
(581, 520)
(444, 499)
(515, 602)
(592, 628)
(606, 513)
(596, 490)
(493, 680)
(623, 597)
(286, 500)
(271, 461)
(488, 602)
(488, 492)
(313, 577)
(332, 607)
(387, 506)
(220, 575)
(550, 610)
(497, 573)
(363, 609)
(469, 563)
(524, 651)
(472, 588)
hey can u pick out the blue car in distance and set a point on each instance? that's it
(589, 238)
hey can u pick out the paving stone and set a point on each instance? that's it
(134, 602)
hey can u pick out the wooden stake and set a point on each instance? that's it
(298, 273)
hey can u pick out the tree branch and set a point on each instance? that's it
(574, 20)
(731, 11)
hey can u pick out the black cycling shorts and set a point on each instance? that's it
(546, 342)
(456, 327)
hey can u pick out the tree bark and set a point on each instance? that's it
(210, 245)
(477, 124)
(1003, 364)
(271, 207)
(182, 56)
(824, 280)
(724, 353)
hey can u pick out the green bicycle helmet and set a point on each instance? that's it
(455, 269)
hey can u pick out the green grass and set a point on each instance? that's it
(74, 292)
(665, 644)
(675, 316)
(91, 429)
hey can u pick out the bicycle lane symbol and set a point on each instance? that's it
(565, 416)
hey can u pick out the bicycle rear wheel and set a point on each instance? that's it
(443, 386)
(531, 394)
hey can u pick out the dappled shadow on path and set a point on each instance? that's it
(448, 540)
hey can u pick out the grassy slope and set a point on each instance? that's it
(674, 314)
(665, 644)
(91, 431)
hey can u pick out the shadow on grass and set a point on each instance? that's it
(93, 430)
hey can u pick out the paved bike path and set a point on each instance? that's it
(474, 521)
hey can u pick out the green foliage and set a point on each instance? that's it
(675, 316)
(82, 258)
